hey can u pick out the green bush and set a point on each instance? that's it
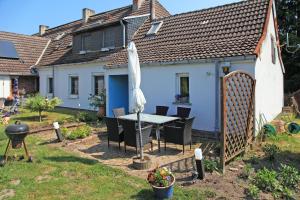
(271, 151)
(86, 117)
(247, 171)
(266, 180)
(253, 191)
(79, 133)
(288, 176)
(210, 165)
(65, 132)
(288, 193)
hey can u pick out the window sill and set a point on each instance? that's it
(182, 103)
(73, 96)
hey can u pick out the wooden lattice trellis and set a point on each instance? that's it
(237, 91)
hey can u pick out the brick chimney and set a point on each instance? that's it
(42, 29)
(86, 13)
(136, 4)
(152, 10)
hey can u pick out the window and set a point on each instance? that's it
(108, 38)
(84, 42)
(155, 28)
(74, 84)
(273, 50)
(50, 85)
(183, 88)
(98, 85)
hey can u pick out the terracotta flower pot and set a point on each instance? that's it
(164, 192)
(101, 111)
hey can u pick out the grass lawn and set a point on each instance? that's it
(57, 174)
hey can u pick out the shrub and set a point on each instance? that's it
(247, 171)
(267, 180)
(210, 165)
(79, 133)
(271, 151)
(86, 117)
(253, 191)
(288, 176)
(65, 132)
(38, 103)
(287, 193)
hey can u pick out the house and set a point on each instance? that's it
(182, 57)
(19, 56)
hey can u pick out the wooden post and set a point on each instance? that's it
(223, 123)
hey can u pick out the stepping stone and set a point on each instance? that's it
(7, 193)
(41, 179)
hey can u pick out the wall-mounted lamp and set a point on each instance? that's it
(226, 69)
(199, 163)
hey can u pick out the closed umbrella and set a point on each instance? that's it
(137, 99)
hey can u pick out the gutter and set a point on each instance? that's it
(217, 97)
(124, 32)
(196, 61)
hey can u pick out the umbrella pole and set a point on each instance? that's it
(140, 135)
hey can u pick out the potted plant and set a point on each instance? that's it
(98, 102)
(162, 181)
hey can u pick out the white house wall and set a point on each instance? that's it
(269, 80)
(61, 83)
(5, 84)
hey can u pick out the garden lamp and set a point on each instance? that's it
(199, 163)
(58, 132)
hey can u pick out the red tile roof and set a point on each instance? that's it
(29, 49)
(59, 51)
(223, 31)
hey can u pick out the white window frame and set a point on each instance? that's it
(178, 92)
(73, 96)
(48, 85)
(93, 81)
(152, 30)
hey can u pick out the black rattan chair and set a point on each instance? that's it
(183, 112)
(118, 112)
(162, 110)
(131, 134)
(115, 132)
(179, 134)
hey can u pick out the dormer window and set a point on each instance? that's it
(85, 42)
(109, 39)
(155, 28)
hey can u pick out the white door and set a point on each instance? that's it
(5, 84)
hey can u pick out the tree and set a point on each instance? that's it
(38, 103)
(288, 15)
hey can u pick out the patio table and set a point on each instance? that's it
(156, 120)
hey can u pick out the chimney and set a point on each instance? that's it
(136, 4)
(42, 29)
(152, 10)
(86, 13)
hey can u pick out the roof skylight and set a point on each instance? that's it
(155, 28)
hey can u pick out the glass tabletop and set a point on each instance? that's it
(153, 119)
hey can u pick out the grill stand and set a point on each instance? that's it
(8, 148)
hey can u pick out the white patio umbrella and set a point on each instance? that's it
(137, 99)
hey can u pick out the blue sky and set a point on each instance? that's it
(24, 16)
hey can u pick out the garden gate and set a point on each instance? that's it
(237, 117)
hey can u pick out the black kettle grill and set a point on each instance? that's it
(16, 134)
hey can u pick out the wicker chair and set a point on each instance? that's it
(162, 110)
(131, 134)
(118, 112)
(179, 134)
(183, 112)
(115, 132)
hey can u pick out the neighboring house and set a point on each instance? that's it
(19, 55)
(181, 57)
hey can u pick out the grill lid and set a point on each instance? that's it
(17, 128)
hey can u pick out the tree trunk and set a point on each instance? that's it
(40, 116)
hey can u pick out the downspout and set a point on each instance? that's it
(53, 82)
(124, 33)
(217, 97)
